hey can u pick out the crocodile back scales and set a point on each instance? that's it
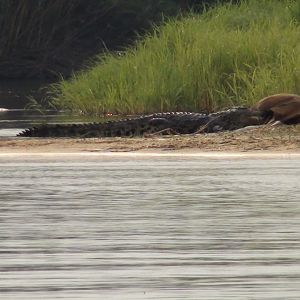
(179, 122)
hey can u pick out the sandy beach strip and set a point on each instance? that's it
(264, 141)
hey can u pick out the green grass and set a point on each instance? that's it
(230, 55)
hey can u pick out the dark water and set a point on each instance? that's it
(156, 228)
(15, 94)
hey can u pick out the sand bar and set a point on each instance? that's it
(281, 141)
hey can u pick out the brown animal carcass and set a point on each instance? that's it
(284, 108)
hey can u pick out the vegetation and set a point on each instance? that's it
(51, 37)
(230, 55)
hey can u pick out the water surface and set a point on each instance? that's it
(156, 228)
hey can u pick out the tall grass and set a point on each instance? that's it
(230, 55)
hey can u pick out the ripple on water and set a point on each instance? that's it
(156, 228)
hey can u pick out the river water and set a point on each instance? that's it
(105, 227)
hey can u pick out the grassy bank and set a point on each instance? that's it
(230, 55)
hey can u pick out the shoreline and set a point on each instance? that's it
(264, 141)
(144, 154)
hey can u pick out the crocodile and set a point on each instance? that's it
(171, 122)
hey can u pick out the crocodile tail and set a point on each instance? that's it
(53, 130)
(128, 127)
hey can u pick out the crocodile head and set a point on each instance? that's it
(235, 118)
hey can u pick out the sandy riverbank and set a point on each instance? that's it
(284, 139)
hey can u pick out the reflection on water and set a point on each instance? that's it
(164, 228)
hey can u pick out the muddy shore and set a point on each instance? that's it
(263, 139)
